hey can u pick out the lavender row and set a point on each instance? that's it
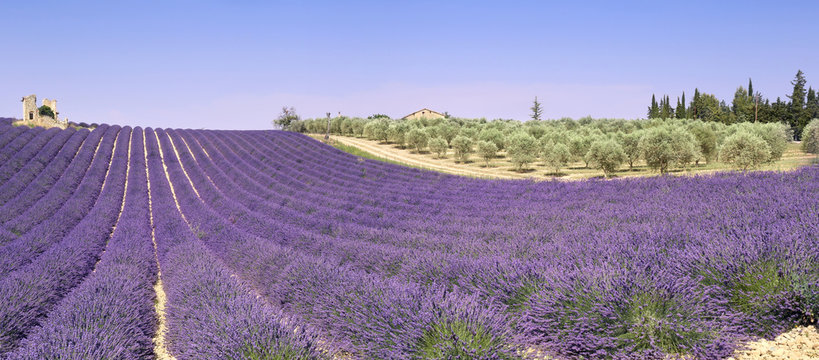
(594, 226)
(43, 197)
(211, 314)
(69, 140)
(32, 291)
(413, 264)
(111, 314)
(373, 317)
(40, 237)
(16, 162)
(21, 137)
(9, 133)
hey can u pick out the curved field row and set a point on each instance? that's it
(272, 245)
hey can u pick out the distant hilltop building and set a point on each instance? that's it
(424, 113)
(46, 114)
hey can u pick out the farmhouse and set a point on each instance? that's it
(46, 115)
(424, 113)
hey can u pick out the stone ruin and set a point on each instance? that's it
(31, 112)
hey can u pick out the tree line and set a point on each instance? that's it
(605, 144)
(748, 105)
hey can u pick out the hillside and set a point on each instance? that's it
(125, 242)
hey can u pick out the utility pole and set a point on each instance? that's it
(327, 135)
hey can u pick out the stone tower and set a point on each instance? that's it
(30, 112)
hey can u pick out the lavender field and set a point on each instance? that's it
(131, 243)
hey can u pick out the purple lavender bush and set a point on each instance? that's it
(272, 245)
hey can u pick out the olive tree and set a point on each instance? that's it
(631, 147)
(776, 136)
(606, 155)
(810, 137)
(745, 150)
(287, 116)
(417, 138)
(706, 140)
(448, 130)
(579, 146)
(657, 148)
(397, 132)
(487, 150)
(462, 146)
(685, 147)
(438, 146)
(494, 136)
(556, 156)
(467, 132)
(522, 149)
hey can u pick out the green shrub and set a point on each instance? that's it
(462, 339)
(745, 150)
(522, 149)
(487, 150)
(438, 146)
(606, 155)
(462, 146)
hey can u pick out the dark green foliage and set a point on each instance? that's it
(461, 340)
(680, 110)
(46, 111)
(653, 109)
(799, 116)
(537, 110)
(286, 118)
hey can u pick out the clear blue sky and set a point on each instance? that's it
(234, 64)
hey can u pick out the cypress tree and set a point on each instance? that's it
(695, 104)
(666, 112)
(750, 88)
(653, 110)
(798, 115)
(812, 104)
(537, 110)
